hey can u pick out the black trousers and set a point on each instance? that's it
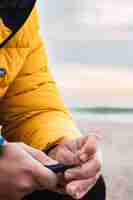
(97, 193)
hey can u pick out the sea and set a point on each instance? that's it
(102, 114)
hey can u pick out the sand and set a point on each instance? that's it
(117, 147)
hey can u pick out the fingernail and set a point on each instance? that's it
(78, 195)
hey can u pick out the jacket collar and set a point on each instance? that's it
(15, 14)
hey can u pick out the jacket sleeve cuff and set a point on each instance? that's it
(51, 146)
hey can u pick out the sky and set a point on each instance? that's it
(93, 39)
(88, 31)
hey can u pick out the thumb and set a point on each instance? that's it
(43, 176)
(39, 155)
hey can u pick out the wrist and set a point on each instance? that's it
(49, 149)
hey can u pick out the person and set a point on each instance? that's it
(34, 118)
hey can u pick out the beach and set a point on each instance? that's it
(117, 150)
(99, 101)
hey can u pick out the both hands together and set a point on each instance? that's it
(82, 153)
(23, 172)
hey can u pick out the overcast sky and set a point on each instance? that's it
(88, 31)
(98, 32)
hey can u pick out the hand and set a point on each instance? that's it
(22, 171)
(84, 154)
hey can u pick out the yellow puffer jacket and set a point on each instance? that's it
(31, 109)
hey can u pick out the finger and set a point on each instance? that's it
(74, 145)
(89, 148)
(81, 141)
(77, 189)
(85, 171)
(44, 177)
(38, 155)
(65, 156)
(61, 184)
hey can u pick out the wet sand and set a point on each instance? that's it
(117, 147)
